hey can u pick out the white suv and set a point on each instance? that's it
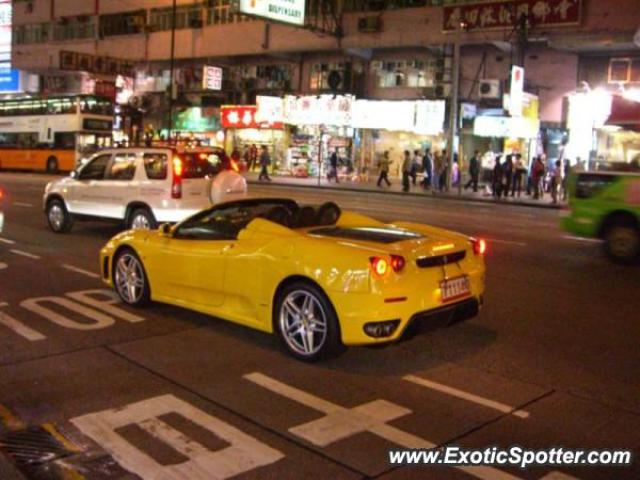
(142, 187)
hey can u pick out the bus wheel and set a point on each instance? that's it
(52, 165)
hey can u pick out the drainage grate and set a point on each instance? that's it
(31, 447)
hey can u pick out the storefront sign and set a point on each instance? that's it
(270, 109)
(506, 127)
(429, 117)
(516, 91)
(105, 89)
(85, 62)
(384, 114)
(211, 78)
(244, 116)
(9, 78)
(330, 110)
(505, 14)
(286, 11)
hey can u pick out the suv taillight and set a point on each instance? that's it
(176, 181)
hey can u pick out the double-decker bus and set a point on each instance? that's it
(53, 133)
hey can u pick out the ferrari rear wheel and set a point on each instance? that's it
(307, 323)
(130, 279)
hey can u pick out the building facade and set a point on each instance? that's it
(379, 50)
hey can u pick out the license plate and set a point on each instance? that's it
(455, 288)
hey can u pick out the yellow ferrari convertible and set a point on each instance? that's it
(318, 277)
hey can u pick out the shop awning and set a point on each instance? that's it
(625, 113)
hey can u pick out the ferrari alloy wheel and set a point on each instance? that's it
(130, 279)
(622, 242)
(60, 221)
(306, 322)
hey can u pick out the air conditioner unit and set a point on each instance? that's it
(370, 24)
(489, 88)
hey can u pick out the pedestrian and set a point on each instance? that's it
(253, 156)
(497, 178)
(333, 161)
(406, 170)
(265, 161)
(437, 169)
(416, 164)
(427, 166)
(474, 171)
(519, 173)
(565, 179)
(384, 169)
(556, 181)
(507, 175)
(444, 171)
(537, 176)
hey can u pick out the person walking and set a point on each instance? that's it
(437, 168)
(406, 170)
(427, 166)
(416, 164)
(444, 172)
(253, 156)
(384, 169)
(519, 173)
(497, 178)
(333, 161)
(474, 171)
(265, 161)
(565, 179)
(537, 176)
(556, 181)
(507, 175)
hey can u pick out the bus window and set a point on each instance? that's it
(65, 140)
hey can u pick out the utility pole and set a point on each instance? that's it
(172, 68)
(453, 110)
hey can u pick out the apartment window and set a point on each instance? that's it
(125, 23)
(408, 74)
(74, 28)
(262, 77)
(187, 16)
(219, 12)
(31, 33)
(320, 75)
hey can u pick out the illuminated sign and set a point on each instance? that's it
(332, 110)
(516, 92)
(286, 11)
(244, 116)
(506, 127)
(9, 78)
(270, 109)
(211, 78)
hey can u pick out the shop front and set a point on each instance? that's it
(396, 126)
(246, 134)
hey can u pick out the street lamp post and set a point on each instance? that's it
(172, 68)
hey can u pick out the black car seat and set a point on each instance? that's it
(305, 217)
(328, 214)
(280, 215)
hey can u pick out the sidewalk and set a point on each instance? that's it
(396, 189)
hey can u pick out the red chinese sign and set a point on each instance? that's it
(500, 15)
(244, 116)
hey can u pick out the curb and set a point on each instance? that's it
(548, 206)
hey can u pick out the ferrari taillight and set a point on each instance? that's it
(176, 182)
(382, 267)
(479, 246)
(397, 263)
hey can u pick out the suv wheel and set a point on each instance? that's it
(59, 219)
(141, 219)
(622, 242)
(306, 323)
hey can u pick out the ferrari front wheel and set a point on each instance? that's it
(130, 279)
(306, 322)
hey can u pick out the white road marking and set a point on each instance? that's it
(108, 306)
(340, 423)
(23, 204)
(3, 265)
(582, 239)
(100, 320)
(506, 242)
(7, 241)
(20, 328)
(454, 392)
(80, 270)
(244, 453)
(25, 254)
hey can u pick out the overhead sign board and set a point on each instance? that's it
(211, 78)
(506, 127)
(286, 11)
(505, 14)
(9, 78)
(516, 92)
(244, 116)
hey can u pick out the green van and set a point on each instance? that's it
(606, 205)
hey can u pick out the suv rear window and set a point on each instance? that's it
(199, 165)
(155, 164)
(591, 184)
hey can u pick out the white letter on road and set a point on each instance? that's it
(244, 453)
(100, 320)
